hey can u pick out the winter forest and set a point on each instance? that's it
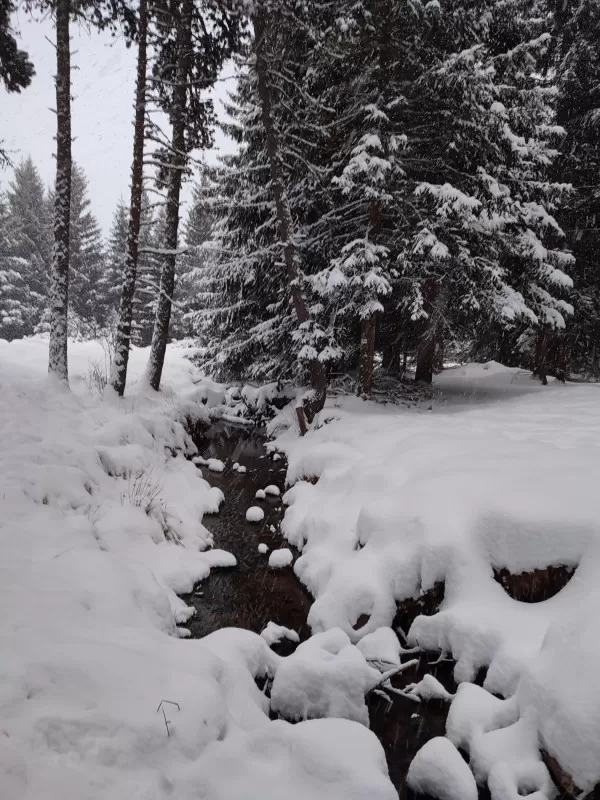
(299, 457)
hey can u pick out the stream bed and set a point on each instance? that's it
(250, 594)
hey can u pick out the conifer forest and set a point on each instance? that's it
(299, 455)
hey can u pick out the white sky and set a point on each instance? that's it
(102, 89)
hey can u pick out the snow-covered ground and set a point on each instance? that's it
(100, 528)
(500, 473)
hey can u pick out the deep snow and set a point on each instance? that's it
(501, 472)
(100, 527)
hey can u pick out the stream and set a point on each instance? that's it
(250, 595)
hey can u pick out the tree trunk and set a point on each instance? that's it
(59, 283)
(540, 369)
(367, 355)
(162, 320)
(284, 217)
(123, 343)
(427, 346)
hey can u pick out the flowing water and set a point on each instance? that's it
(250, 594)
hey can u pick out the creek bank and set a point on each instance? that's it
(251, 594)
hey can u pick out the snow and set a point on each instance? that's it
(438, 770)
(273, 491)
(501, 473)
(326, 676)
(429, 688)
(280, 558)
(255, 514)
(242, 469)
(101, 526)
(274, 633)
(260, 494)
(213, 464)
(381, 646)
(263, 548)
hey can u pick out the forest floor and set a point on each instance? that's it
(391, 512)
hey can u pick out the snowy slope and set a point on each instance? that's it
(93, 501)
(500, 473)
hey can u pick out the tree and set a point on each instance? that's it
(188, 63)
(575, 57)
(88, 300)
(315, 402)
(116, 253)
(28, 228)
(16, 70)
(124, 330)
(59, 285)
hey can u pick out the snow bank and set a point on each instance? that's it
(326, 676)
(101, 525)
(274, 633)
(502, 474)
(255, 514)
(438, 770)
(280, 558)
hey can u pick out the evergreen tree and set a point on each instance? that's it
(576, 59)
(31, 237)
(193, 42)
(88, 301)
(16, 70)
(19, 310)
(112, 278)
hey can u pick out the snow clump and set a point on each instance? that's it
(255, 514)
(280, 558)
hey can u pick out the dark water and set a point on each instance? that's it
(250, 595)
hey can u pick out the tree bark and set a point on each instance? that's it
(284, 218)
(367, 355)
(429, 340)
(59, 283)
(540, 369)
(123, 343)
(162, 320)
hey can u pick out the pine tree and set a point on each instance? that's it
(88, 301)
(576, 59)
(130, 266)
(116, 253)
(16, 70)
(19, 309)
(197, 40)
(31, 237)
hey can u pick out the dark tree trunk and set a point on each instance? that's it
(429, 341)
(119, 376)
(367, 355)
(284, 217)
(59, 284)
(540, 369)
(162, 320)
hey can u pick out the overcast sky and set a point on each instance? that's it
(102, 88)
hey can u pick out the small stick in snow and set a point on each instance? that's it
(161, 705)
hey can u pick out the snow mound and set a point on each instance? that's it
(255, 514)
(260, 494)
(263, 548)
(273, 634)
(213, 464)
(280, 558)
(381, 646)
(242, 469)
(429, 688)
(326, 676)
(101, 525)
(330, 758)
(273, 490)
(439, 770)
